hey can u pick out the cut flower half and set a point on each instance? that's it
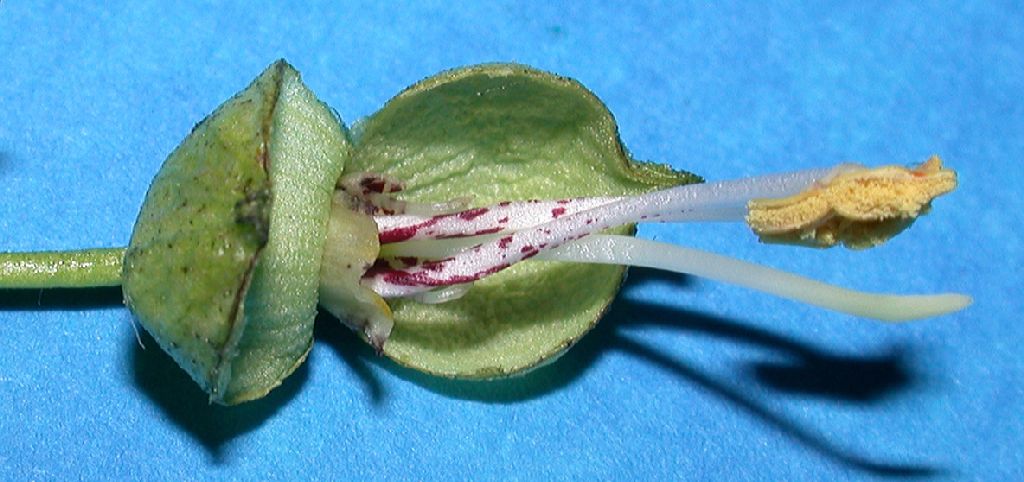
(539, 159)
(436, 258)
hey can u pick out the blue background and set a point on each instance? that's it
(683, 379)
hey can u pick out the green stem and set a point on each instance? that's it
(61, 269)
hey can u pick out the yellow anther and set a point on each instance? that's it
(856, 206)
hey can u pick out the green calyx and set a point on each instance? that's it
(223, 265)
(499, 133)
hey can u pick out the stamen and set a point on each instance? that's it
(689, 202)
(500, 218)
(420, 249)
(722, 201)
(858, 207)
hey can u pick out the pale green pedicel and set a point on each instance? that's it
(61, 269)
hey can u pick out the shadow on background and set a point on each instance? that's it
(60, 299)
(354, 352)
(170, 388)
(159, 378)
(806, 371)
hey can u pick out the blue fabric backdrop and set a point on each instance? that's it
(683, 379)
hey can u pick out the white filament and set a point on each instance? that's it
(442, 295)
(727, 200)
(625, 250)
(629, 251)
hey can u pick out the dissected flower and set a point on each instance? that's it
(414, 226)
(433, 258)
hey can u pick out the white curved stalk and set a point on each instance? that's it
(625, 250)
(629, 251)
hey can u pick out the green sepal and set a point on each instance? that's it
(223, 265)
(503, 132)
